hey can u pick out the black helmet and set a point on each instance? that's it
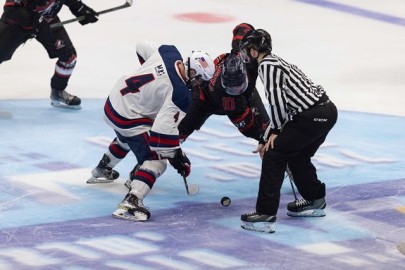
(234, 75)
(238, 32)
(259, 39)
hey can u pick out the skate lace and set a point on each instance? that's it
(108, 173)
(135, 201)
(251, 213)
(302, 202)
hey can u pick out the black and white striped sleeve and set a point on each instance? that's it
(272, 77)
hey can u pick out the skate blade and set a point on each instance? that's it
(265, 227)
(94, 180)
(122, 213)
(61, 105)
(308, 213)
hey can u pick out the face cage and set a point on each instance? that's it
(196, 80)
(193, 80)
(245, 54)
(236, 90)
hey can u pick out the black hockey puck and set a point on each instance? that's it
(225, 201)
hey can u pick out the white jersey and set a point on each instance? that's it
(154, 98)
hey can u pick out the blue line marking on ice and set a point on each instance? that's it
(357, 11)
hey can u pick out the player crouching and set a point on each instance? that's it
(145, 108)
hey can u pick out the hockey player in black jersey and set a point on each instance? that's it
(24, 19)
(230, 92)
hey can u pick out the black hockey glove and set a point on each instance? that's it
(181, 163)
(80, 9)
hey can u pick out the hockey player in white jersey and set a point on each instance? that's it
(144, 109)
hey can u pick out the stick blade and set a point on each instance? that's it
(401, 247)
(193, 189)
(6, 115)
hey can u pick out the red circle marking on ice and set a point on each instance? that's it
(203, 17)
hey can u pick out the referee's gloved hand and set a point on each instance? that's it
(81, 9)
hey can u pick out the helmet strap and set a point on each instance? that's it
(188, 68)
(189, 82)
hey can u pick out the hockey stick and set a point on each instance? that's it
(401, 247)
(128, 3)
(291, 182)
(192, 189)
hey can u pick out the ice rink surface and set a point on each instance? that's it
(51, 219)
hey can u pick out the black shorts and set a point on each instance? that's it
(11, 37)
(56, 41)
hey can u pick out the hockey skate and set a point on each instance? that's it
(103, 173)
(62, 99)
(304, 208)
(131, 208)
(258, 222)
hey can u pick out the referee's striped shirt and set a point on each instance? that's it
(288, 90)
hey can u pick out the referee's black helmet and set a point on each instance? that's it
(259, 39)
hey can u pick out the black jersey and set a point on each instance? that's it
(23, 13)
(246, 111)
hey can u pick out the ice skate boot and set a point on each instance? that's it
(131, 208)
(258, 222)
(103, 173)
(62, 99)
(304, 208)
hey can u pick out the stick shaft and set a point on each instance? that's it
(128, 3)
(186, 184)
(290, 176)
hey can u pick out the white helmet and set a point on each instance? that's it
(202, 64)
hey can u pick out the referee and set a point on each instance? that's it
(301, 116)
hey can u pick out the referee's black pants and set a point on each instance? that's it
(298, 141)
